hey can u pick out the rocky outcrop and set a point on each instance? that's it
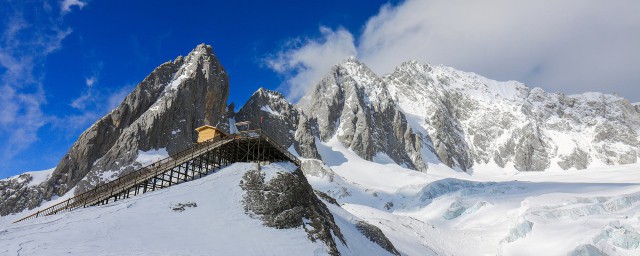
(375, 235)
(288, 201)
(271, 112)
(18, 191)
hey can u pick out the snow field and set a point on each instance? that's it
(146, 225)
(490, 212)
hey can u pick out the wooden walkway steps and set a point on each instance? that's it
(195, 162)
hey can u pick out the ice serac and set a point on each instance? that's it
(475, 120)
(353, 104)
(161, 112)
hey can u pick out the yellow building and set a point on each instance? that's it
(207, 132)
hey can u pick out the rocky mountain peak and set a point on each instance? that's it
(475, 120)
(354, 105)
(159, 115)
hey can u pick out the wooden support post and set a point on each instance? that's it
(171, 177)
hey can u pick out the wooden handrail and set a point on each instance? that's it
(100, 192)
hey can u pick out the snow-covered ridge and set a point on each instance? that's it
(34, 178)
(468, 121)
(469, 83)
(485, 121)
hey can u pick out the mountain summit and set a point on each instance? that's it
(160, 115)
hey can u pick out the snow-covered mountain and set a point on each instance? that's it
(473, 120)
(420, 112)
(372, 133)
(205, 217)
(426, 160)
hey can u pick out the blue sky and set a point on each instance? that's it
(64, 64)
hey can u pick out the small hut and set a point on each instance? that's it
(207, 132)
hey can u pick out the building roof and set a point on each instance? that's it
(206, 127)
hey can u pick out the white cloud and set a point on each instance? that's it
(65, 5)
(91, 80)
(83, 100)
(309, 59)
(25, 43)
(569, 46)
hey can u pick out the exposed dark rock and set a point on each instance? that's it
(288, 201)
(326, 197)
(375, 235)
(577, 159)
(180, 207)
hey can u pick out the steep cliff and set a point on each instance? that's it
(160, 115)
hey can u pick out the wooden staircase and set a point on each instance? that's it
(195, 162)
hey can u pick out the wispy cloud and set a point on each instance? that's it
(90, 81)
(66, 5)
(25, 42)
(308, 59)
(85, 98)
(570, 46)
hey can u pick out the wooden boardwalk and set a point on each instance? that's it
(200, 160)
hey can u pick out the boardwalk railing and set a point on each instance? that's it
(192, 163)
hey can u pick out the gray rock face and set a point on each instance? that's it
(354, 105)
(161, 112)
(175, 99)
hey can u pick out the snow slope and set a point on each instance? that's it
(149, 225)
(498, 212)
